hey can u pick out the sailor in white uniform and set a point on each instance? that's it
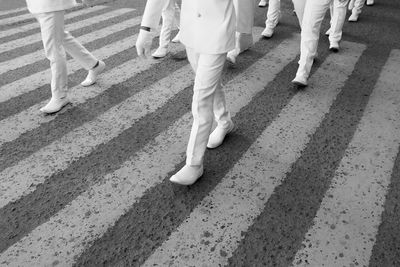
(208, 32)
(57, 41)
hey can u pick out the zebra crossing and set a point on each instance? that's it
(60, 201)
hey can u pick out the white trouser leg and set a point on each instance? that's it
(299, 9)
(314, 13)
(244, 10)
(208, 102)
(78, 51)
(358, 5)
(273, 14)
(177, 15)
(52, 30)
(338, 16)
(168, 17)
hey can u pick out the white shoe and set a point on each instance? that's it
(334, 46)
(263, 3)
(93, 73)
(188, 175)
(232, 55)
(267, 32)
(370, 2)
(218, 135)
(328, 32)
(55, 105)
(176, 39)
(160, 52)
(353, 17)
(300, 81)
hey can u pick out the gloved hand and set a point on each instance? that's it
(143, 43)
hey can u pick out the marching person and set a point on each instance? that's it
(208, 32)
(314, 12)
(356, 6)
(244, 26)
(338, 11)
(170, 20)
(50, 15)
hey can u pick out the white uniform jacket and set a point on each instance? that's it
(44, 6)
(207, 26)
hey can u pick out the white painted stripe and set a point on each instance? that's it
(36, 37)
(16, 19)
(84, 39)
(14, 126)
(220, 219)
(23, 178)
(35, 25)
(15, 10)
(348, 219)
(112, 197)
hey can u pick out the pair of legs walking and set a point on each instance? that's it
(310, 21)
(208, 104)
(57, 41)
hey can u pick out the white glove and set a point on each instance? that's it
(143, 43)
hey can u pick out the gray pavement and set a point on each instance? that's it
(308, 177)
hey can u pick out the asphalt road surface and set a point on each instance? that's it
(308, 178)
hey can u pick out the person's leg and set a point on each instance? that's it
(208, 70)
(273, 16)
(86, 59)
(244, 26)
(168, 16)
(299, 9)
(337, 21)
(52, 30)
(314, 13)
(177, 22)
(262, 3)
(357, 6)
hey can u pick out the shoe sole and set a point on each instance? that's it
(334, 49)
(299, 84)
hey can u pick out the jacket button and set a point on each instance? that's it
(199, 15)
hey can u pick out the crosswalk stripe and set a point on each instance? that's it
(10, 11)
(23, 177)
(84, 39)
(4, 47)
(28, 119)
(108, 200)
(236, 202)
(347, 221)
(35, 25)
(15, 19)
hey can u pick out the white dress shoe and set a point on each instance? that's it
(232, 55)
(176, 39)
(160, 52)
(218, 135)
(370, 2)
(93, 73)
(188, 175)
(334, 46)
(262, 3)
(267, 32)
(353, 17)
(328, 32)
(55, 105)
(300, 81)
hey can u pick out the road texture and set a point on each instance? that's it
(308, 177)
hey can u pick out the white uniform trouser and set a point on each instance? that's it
(299, 9)
(357, 6)
(314, 12)
(55, 42)
(170, 21)
(273, 14)
(338, 15)
(244, 10)
(208, 103)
